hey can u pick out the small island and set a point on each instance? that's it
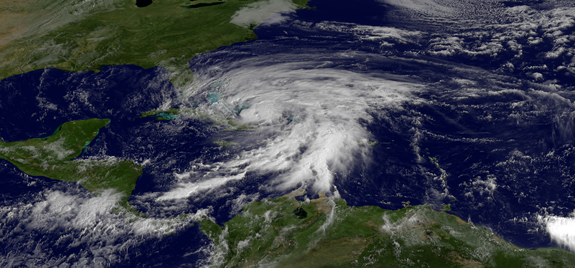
(52, 156)
(223, 143)
(326, 232)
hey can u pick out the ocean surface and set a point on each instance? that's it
(365, 100)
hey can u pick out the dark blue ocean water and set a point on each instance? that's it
(34, 104)
(470, 137)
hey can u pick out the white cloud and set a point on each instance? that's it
(561, 230)
(308, 120)
(70, 211)
(56, 219)
(366, 32)
(256, 13)
(428, 7)
(276, 18)
(187, 189)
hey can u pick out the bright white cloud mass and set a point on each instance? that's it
(561, 230)
(307, 117)
(307, 114)
(255, 13)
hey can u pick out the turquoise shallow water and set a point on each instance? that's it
(496, 146)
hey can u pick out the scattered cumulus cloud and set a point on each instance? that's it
(76, 219)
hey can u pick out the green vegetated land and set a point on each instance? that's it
(75, 36)
(52, 157)
(325, 232)
(170, 114)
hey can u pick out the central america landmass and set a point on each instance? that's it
(287, 232)
(52, 157)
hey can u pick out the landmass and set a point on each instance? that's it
(216, 118)
(80, 36)
(170, 114)
(370, 143)
(52, 156)
(225, 143)
(326, 232)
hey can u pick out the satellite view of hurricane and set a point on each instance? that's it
(287, 133)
